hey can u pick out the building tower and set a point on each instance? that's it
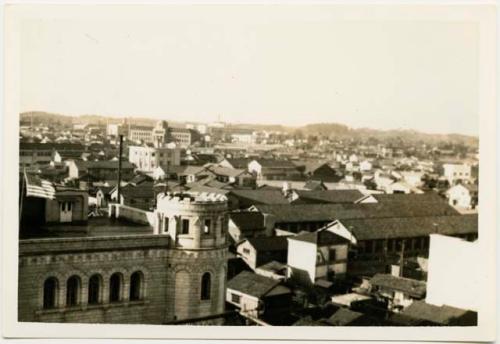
(197, 257)
(160, 134)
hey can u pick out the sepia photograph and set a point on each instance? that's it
(274, 166)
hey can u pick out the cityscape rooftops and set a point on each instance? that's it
(411, 287)
(401, 227)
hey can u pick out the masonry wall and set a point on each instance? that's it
(62, 258)
(186, 269)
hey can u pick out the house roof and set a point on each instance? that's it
(248, 220)
(409, 198)
(261, 196)
(273, 266)
(67, 154)
(50, 146)
(343, 317)
(414, 288)
(403, 227)
(273, 163)
(103, 164)
(241, 163)
(144, 190)
(328, 196)
(288, 213)
(443, 315)
(315, 185)
(226, 171)
(321, 238)
(276, 243)
(252, 284)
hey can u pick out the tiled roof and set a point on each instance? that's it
(144, 190)
(225, 171)
(247, 220)
(443, 315)
(252, 284)
(261, 196)
(321, 238)
(272, 163)
(409, 198)
(408, 286)
(103, 164)
(327, 212)
(329, 196)
(277, 243)
(239, 163)
(50, 146)
(402, 227)
(314, 185)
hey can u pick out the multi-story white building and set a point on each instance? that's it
(148, 158)
(140, 133)
(456, 172)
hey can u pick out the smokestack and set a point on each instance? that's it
(120, 169)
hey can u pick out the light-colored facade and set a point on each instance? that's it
(138, 133)
(462, 196)
(456, 172)
(147, 158)
(453, 275)
(311, 261)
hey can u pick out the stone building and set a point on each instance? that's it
(176, 271)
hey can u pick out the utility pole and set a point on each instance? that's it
(118, 188)
(402, 258)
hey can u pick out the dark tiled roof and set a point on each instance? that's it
(272, 163)
(104, 164)
(408, 286)
(329, 196)
(261, 196)
(343, 317)
(289, 213)
(225, 171)
(239, 163)
(67, 154)
(50, 146)
(144, 190)
(277, 243)
(248, 220)
(252, 284)
(409, 198)
(315, 185)
(443, 315)
(402, 227)
(321, 238)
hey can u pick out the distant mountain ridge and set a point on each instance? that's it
(315, 129)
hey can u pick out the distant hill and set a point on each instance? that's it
(335, 130)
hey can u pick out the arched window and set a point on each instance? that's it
(205, 286)
(115, 287)
(95, 289)
(136, 286)
(50, 291)
(73, 291)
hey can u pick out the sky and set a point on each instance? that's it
(288, 65)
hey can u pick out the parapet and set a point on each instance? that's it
(191, 197)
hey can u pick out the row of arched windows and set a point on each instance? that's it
(95, 289)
